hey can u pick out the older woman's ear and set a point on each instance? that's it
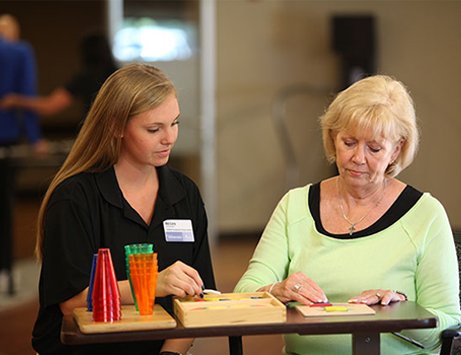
(397, 149)
(392, 167)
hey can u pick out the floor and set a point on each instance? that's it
(17, 314)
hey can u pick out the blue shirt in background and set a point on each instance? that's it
(17, 75)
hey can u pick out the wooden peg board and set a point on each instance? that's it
(230, 308)
(131, 321)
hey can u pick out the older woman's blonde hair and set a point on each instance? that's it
(378, 104)
(129, 91)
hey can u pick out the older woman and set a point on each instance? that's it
(363, 234)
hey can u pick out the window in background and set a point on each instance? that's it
(164, 33)
(149, 40)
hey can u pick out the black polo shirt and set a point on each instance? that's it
(87, 212)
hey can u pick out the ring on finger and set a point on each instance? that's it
(297, 287)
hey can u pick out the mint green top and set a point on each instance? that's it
(415, 255)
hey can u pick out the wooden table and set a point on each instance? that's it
(365, 330)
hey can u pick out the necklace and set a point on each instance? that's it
(352, 225)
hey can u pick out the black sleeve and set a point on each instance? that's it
(68, 248)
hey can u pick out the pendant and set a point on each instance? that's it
(352, 229)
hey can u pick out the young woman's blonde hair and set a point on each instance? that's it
(378, 104)
(129, 91)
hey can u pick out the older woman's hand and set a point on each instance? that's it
(298, 287)
(378, 296)
(179, 280)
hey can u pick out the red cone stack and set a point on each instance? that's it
(106, 294)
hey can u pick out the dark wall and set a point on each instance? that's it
(54, 29)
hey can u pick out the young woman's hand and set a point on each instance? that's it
(179, 280)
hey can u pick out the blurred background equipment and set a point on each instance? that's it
(354, 40)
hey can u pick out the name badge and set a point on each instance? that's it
(178, 230)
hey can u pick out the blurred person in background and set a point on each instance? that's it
(17, 75)
(97, 64)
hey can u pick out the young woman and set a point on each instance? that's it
(115, 189)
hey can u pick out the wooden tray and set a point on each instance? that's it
(230, 308)
(131, 321)
(353, 309)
